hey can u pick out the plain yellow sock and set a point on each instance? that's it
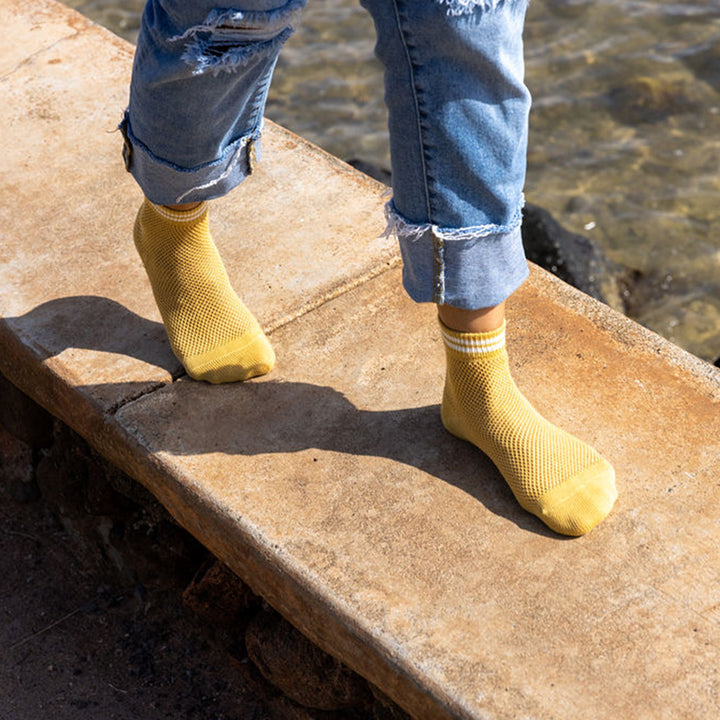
(211, 332)
(553, 475)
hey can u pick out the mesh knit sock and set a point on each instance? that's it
(553, 475)
(211, 331)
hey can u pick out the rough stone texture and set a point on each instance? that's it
(114, 525)
(573, 258)
(219, 597)
(23, 418)
(132, 536)
(17, 471)
(301, 670)
(330, 486)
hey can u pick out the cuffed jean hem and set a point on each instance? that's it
(164, 183)
(468, 268)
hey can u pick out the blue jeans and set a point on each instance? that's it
(458, 111)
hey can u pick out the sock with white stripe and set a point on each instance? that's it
(553, 475)
(211, 332)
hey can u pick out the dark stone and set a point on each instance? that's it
(100, 497)
(98, 508)
(717, 363)
(303, 672)
(650, 99)
(158, 554)
(384, 708)
(573, 258)
(705, 61)
(17, 469)
(374, 171)
(24, 418)
(219, 597)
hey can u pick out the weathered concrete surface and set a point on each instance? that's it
(330, 485)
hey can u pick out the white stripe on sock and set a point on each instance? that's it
(180, 215)
(473, 346)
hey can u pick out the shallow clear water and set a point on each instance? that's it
(625, 131)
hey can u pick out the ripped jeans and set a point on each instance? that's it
(458, 110)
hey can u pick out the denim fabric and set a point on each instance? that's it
(458, 112)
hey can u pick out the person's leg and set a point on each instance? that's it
(192, 133)
(458, 129)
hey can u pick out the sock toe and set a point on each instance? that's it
(576, 506)
(235, 361)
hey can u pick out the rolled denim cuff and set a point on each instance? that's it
(165, 183)
(467, 268)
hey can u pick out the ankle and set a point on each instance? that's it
(481, 320)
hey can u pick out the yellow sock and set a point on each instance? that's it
(211, 332)
(553, 475)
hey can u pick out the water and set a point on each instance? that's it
(625, 131)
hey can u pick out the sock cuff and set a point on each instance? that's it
(473, 343)
(180, 216)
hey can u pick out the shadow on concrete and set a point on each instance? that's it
(272, 417)
(264, 416)
(92, 322)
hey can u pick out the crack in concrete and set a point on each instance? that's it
(332, 294)
(41, 51)
(273, 325)
(114, 409)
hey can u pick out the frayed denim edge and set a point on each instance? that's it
(234, 151)
(241, 145)
(400, 227)
(465, 7)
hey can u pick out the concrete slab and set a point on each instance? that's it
(330, 485)
(311, 225)
(333, 489)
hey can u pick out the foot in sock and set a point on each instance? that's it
(211, 332)
(553, 475)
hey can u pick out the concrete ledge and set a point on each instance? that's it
(330, 486)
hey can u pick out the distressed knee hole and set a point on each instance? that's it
(230, 38)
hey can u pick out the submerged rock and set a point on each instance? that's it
(651, 99)
(704, 63)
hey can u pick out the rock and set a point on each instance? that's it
(97, 507)
(17, 469)
(219, 597)
(302, 671)
(704, 62)
(573, 258)
(651, 99)
(569, 8)
(384, 708)
(24, 418)
(374, 171)
(717, 363)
